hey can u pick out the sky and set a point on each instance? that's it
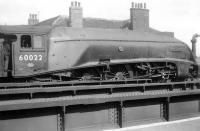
(179, 16)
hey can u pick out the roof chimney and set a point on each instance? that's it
(139, 17)
(33, 19)
(76, 15)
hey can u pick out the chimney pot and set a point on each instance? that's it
(139, 19)
(141, 6)
(144, 5)
(72, 3)
(132, 4)
(33, 19)
(75, 15)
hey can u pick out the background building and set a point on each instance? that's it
(138, 21)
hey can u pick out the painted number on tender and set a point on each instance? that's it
(30, 58)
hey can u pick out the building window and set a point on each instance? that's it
(38, 42)
(26, 41)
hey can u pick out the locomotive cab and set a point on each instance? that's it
(23, 50)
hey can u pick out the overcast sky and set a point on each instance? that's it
(179, 16)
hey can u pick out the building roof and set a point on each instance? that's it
(55, 21)
(25, 29)
(62, 20)
(87, 22)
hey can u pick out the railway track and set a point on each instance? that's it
(117, 102)
(90, 99)
(25, 95)
(108, 86)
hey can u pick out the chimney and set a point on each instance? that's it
(139, 17)
(76, 15)
(32, 20)
(194, 49)
(194, 41)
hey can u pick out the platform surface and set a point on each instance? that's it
(190, 124)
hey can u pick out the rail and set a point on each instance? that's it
(12, 91)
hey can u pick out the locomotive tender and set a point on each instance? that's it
(39, 53)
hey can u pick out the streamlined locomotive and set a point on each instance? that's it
(42, 53)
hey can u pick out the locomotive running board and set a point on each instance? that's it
(96, 107)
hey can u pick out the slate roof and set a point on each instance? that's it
(62, 20)
(25, 29)
(87, 22)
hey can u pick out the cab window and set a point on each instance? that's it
(38, 42)
(26, 41)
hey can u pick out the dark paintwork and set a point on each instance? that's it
(66, 48)
(74, 47)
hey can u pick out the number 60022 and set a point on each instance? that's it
(30, 58)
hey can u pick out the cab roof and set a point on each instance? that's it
(21, 29)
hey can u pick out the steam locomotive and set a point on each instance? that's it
(43, 53)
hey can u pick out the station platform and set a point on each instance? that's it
(190, 124)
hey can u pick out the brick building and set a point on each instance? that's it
(138, 21)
